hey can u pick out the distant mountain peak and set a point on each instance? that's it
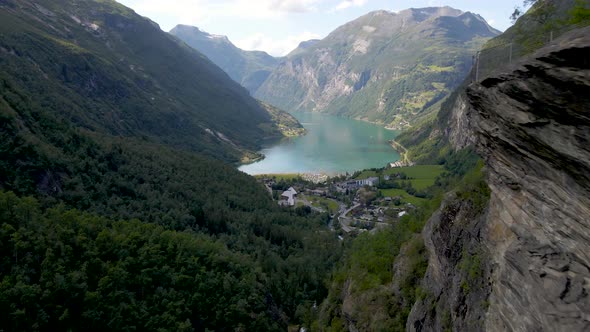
(308, 43)
(363, 68)
(198, 33)
(249, 68)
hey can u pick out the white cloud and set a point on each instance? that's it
(349, 3)
(276, 47)
(293, 6)
(196, 11)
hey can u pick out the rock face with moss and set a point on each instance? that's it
(532, 127)
(383, 67)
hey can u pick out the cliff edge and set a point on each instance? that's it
(531, 243)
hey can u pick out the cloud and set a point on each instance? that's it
(293, 6)
(204, 13)
(349, 3)
(196, 11)
(276, 47)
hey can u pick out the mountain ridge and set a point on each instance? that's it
(377, 67)
(248, 68)
(116, 71)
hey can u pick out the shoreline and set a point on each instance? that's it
(403, 152)
(388, 159)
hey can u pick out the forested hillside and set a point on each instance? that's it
(113, 214)
(105, 68)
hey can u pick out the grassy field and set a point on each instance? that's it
(323, 203)
(407, 198)
(366, 174)
(421, 177)
(418, 172)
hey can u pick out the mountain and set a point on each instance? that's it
(303, 46)
(249, 68)
(383, 67)
(113, 215)
(114, 71)
(526, 251)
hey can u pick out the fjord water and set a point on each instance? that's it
(332, 145)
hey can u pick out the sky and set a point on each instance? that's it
(278, 26)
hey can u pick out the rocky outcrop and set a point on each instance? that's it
(457, 279)
(460, 132)
(532, 127)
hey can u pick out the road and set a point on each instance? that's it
(344, 221)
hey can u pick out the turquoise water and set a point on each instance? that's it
(332, 145)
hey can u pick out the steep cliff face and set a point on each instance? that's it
(532, 127)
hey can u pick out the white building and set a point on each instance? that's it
(372, 181)
(290, 196)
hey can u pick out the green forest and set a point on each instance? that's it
(140, 198)
(119, 211)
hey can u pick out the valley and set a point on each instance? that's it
(414, 170)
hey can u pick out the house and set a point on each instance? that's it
(290, 195)
(371, 182)
(355, 184)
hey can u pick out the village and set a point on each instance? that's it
(362, 202)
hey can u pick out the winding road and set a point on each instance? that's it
(343, 220)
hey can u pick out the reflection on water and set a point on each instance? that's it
(332, 145)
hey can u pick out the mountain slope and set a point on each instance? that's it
(111, 217)
(249, 68)
(106, 68)
(383, 67)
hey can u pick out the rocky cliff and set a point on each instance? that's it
(521, 263)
